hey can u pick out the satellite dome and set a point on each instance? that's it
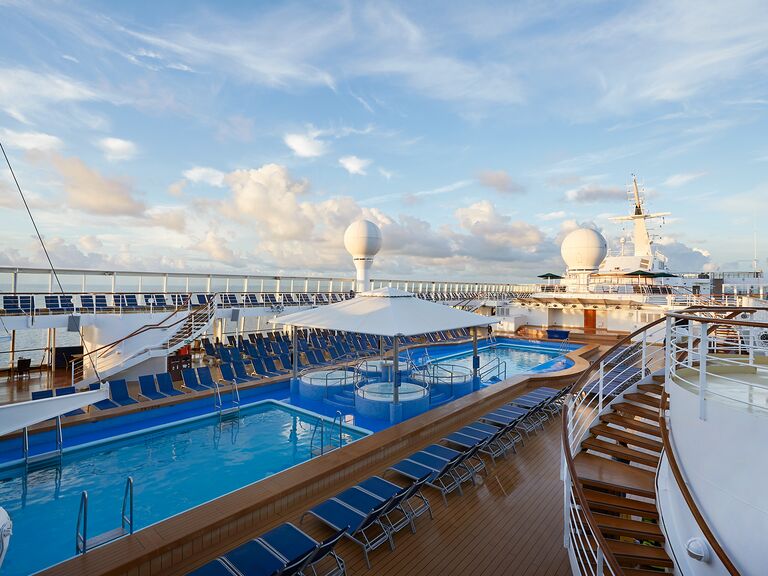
(362, 239)
(583, 249)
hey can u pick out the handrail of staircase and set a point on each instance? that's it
(687, 496)
(192, 309)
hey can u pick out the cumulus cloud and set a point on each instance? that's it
(88, 190)
(499, 180)
(217, 248)
(307, 145)
(355, 165)
(482, 219)
(205, 175)
(116, 149)
(177, 188)
(678, 180)
(37, 141)
(595, 193)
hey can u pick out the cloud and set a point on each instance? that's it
(387, 174)
(306, 145)
(678, 180)
(217, 248)
(24, 92)
(88, 190)
(547, 216)
(205, 175)
(355, 165)
(177, 188)
(483, 220)
(499, 180)
(38, 141)
(595, 193)
(117, 149)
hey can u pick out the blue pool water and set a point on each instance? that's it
(173, 470)
(517, 360)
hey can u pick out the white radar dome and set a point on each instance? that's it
(584, 249)
(362, 239)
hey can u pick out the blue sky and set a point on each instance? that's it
(246, 136)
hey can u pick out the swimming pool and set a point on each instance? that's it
(173, 470)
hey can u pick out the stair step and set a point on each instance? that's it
(651, 388)
(633, 410)
(658, 378)
(620, 504)
(626, 437)
(608, 474)
(630, 423)
(620, 527)
(639, 554)
(648, 400)
(618, 451)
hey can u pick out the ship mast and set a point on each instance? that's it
(641, 239)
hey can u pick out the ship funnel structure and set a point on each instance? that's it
(362, 240)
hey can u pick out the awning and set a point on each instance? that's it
(385, 312)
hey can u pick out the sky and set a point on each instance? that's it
(245, 136)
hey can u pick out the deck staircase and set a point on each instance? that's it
(149, 341)
(616, 470)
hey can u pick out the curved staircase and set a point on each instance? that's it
(616, 471)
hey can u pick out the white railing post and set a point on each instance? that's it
(690, 344)
(602, 375)
(600, 560)
(703, 351)
(668, 350)
(751, 345)
(644, 354)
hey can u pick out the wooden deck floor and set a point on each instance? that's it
(511, 523)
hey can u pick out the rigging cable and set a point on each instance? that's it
(45, 249)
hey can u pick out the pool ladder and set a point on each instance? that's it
(83, 543)
(45, 458)
(320, 426)
(232, 411)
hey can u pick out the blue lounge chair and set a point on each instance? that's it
(293, 545)
(254, 558)
(217, 567)
(148, 389)
(105, 404)
(165, 385)
(40, 394)
(269, 364)
(118, 392)
(189, 376)
(228, 374)
(205, 378)
(358, 523)
(242, 372)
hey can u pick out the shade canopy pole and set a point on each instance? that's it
(396, 370)
(295, 349)
(475, 360)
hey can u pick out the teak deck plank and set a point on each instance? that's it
(510, 523)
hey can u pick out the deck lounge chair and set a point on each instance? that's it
(118, 392)
(292, 545)
(105, 404)
(189, 376)
(40, 394)
(358, 523)
(439, 472)
(165, 385)
(228, 375)
(148, 389)
(204, 377)
(217, 567)
(254, 558)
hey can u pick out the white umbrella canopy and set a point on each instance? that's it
(385, 312)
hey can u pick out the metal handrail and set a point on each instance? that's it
(81, 538)
(127, 500)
